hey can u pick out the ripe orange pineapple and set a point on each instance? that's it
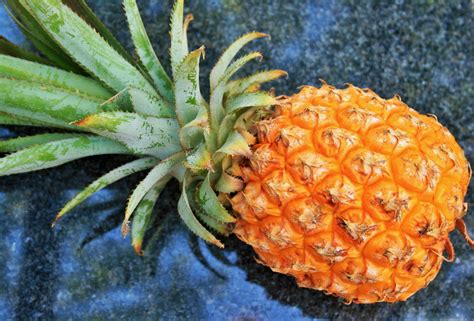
(352, 194)
(347, 192)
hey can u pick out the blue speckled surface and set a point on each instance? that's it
(84, 270)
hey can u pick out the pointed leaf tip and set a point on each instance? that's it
(187, 21)
(179, 44)
(217, 111)
(83, 122)
(56, 153)
(56, 220)
(146, 52)
(241, 85)
(125, 229)
(138, 249)
(107, 179)
(229, 54)
(143, 214)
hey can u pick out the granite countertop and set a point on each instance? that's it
(422, 50)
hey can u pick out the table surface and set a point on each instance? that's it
(83, 269)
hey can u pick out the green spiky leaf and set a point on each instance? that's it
(10, 49)
(199, 158)
(135, 107)
(143, 213)
(145, 51)
(187, 215)
(221, 66)
(187, 21)
(39, 37)
(179, 45)
(85, 45)
(195, 132)
(6, 119)
(121, 101)
(57, 153)
(217, 110)
(144, 103)
(150, 104)
(85, 12)
(239, 86)
(247, 100)
(228, 183)
(16, 144)
(143, 135)
(23, 17)
(208, 201)
(107, 179)
(44, 104)
(235, 144)
(188, 95)
(20, 69)
(215, 225)
(163, 169)
(227, 126)
(212, 223)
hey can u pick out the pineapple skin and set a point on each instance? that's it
(352, 194)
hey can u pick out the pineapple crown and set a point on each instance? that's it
(85, 82)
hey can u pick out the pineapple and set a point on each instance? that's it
(345, 191)
(352, 194)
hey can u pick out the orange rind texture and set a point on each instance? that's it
(352, 194)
